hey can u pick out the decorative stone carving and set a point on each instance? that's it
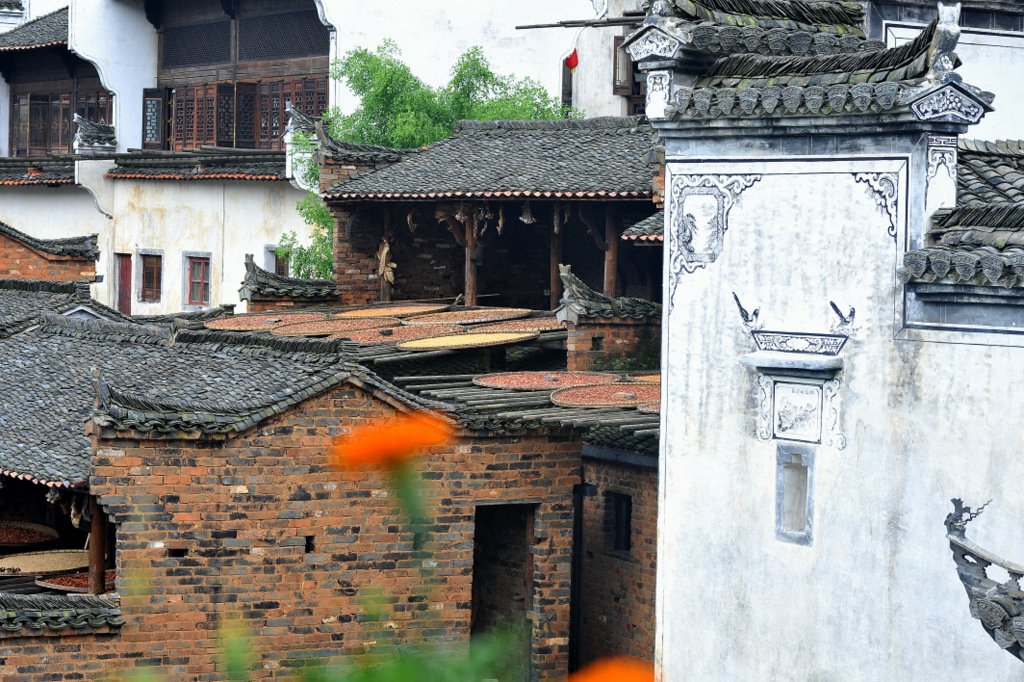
(797, 342)
(764, 403)
(699, 209)
(948, 103)
(658, 83)
(942, 153)
(884, 189)
(803, 410)
(655, 43)
(831, 435)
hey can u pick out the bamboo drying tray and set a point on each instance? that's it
(542, 381)
(529, 324)
(260, 322)
(42, 533)
(475, 316)
(467, 340)
(650, 408)
(378, 337)
(651, 378)
(55, 583)
(395, 310)
(607, 395)
(338, 328)
(45, 563)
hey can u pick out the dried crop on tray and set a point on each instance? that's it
(261, 322)
(396, 310)
(379, 337)
(652, 378)
(529, 324)
(470, 316)
(650, 408)
(336, 327)
(541, 381)
(18, 533)
(467, 340)
(44, 563)
(75, 582)
(607, 395)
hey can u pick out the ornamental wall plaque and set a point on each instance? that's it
(884, 189)
(699, 217)
(655, 43)
(948, 103)
(805, 410)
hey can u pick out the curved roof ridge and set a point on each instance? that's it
(85, 246)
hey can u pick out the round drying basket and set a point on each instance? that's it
(607, 395)
(542, 381)
(44, 563)
(393, 310)
(528, 324)
(22, 533)
(650, 408)
(75, 582)
(647, 377)
(474, 316)
(467, 340)
(338, 328)
(260, 322)
(379, 337)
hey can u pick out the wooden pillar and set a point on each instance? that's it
(555, 285)
(471, 279)
(385, 286)
(97, 548)
(611, 254)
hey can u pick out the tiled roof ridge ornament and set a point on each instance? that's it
(260, 283)
(999, 606)
(94, 138)
(580, 301)
(812, 343)
(298, 121)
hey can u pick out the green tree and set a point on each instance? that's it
(397, 109)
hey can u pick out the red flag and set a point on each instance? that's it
(573, 60)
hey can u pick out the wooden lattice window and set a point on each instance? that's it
(618, 522)
(198, 281)
(41, 123)
(152, 275)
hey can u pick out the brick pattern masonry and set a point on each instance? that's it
(18, 261)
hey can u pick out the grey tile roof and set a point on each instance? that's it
(260, 284)
(806, 15)
(22, 301)
(206, 163)
(49, 171)
(977, 244)
(601, 157)
(651, 229)
(82, 247)
(582, 301)
(47, 30)
(33, 614)
(11, 5)
(990, 171)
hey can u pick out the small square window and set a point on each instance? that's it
(152, 276)
(618, 522)
(622, 69)
(198, 281)
(281, 265)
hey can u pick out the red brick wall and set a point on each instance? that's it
(268, 305)
(355, 260)
(618, 594)
(615, 343)
(17, 261)
(242, 512)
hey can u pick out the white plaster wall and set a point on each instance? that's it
(126, 58)
(37, 8)
(55, 213)
(5, 117)
(225, 220)
(990, 60)
(433, 33)
(876, 597)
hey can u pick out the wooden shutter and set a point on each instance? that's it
(152, 271)
(225, 115)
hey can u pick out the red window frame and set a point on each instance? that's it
(198, 281)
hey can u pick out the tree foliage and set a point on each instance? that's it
(397, 109)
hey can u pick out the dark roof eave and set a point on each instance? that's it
(507, 195)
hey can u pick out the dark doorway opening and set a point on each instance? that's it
(124, 283)
(503, 575)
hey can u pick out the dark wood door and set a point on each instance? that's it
(124, 283)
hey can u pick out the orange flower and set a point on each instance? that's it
(390, 442)
(615, 670)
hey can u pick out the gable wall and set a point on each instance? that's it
(18, 261)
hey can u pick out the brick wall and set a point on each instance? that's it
(614, 343)
(259, 529)
(618, 598)
(356, 240)
(272, 304)
(18, 261)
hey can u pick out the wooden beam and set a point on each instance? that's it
(611, 254)
(97, 548)
(471, 278)
(588, 222)
(557, 227)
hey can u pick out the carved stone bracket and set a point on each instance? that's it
(659, 86)
(699, 209)
(796, 409)
(655, 43)
(884, 189)
(948, 103)
(942, 153)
